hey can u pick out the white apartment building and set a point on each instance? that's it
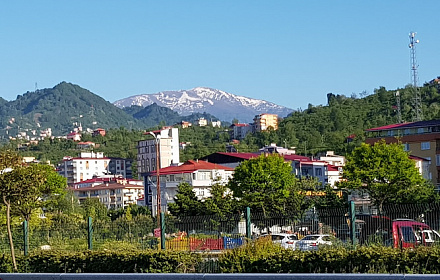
(199, 174)
(168, 142)
(114, 195)
(84, 167)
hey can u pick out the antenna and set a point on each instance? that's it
(399, 113)
(417, 102)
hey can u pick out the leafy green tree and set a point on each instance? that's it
(266, 184)
(387, 173)
(186, 202)
(8, 191)
(95, 209)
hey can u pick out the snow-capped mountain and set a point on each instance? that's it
(223, 105)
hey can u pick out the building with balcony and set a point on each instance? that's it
(84, 167)
(167, 140)
(201, 175)
(264, 121)
(113, 194)
(239, 130)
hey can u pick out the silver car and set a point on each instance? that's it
(314, 241)
(286, 240)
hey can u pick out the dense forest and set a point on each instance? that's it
(337, 126)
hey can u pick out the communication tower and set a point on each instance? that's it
(417, 100)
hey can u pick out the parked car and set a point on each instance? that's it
(314, 241)
(286, 240)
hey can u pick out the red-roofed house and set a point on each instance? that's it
(199, 174)
(98, 131)
(75, 136)
(85, 145)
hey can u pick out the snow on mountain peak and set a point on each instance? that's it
(223, 105)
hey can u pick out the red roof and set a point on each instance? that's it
(387, 127)
(332, 168)
(190, 166)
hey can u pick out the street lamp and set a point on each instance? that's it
(157, 139)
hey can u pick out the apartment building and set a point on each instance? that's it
(421, 139)
(86, 166)
(113, 194)
(264, 121)
(120, 167)
(239, 130)
(199, 174)
(167, 140)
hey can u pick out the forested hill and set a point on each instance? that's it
(320, 128)
(59, 107)
(66, 105)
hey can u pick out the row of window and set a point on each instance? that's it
(423, 146)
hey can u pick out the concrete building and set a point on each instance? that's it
(114, 194)
(239, 130)
(264, 121)
(199, 174)
(168, 141)
(84, 167)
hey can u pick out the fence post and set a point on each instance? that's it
(352, 223)
(248, 223)
(90, 233)
(26, 237)
(162, 231)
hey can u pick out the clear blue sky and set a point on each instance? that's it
(288, 52)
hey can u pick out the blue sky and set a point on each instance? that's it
(288, 52)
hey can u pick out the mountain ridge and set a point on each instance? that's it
(221, 104)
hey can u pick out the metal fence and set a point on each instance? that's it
(215, 233)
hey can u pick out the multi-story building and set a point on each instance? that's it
(121, 167)
(201, 175)
(421, 139)
(239, 130)
(86, 166)
(113, 194)
(167, 140)
(264, 121)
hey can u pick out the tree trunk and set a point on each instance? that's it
(8, 225)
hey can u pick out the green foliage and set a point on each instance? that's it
(387, 173)
(112, 261)
(266, 184)
(186, 202)
(95, 209)
(373, 259)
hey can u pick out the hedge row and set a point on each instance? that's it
(251, 258)
(372, 259)
(151, 261)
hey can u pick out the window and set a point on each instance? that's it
(420, 130)
(437, 160)
(406, 131)
(425, 145)
(406, 147)
(318, 171)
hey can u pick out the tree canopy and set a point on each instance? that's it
(387, 173)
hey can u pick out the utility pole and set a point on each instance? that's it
(158, 195)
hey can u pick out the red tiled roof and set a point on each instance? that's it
(387, 127)
(417, 158)
(190, 166)
(332, 168)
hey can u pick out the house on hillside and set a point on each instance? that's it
(199, 174)
(74, 136)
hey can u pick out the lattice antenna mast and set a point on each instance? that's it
(399, 112)
(417, 107)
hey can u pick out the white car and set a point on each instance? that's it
(313, 241)
(286, 240)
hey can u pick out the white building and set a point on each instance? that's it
(84, 167)
(199, 174)
(168, 141)
(114, 195)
